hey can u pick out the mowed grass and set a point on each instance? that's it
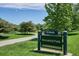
(22, 49)
(13, 36)
(73, 43)
(27, 48)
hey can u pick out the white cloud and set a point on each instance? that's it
(35, 6)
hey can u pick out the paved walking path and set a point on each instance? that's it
(12, 41)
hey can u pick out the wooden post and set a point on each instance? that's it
(65, 42)
(39, 40)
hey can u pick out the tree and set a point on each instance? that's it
(75, 21)
(59, 16)
(27, 27)
(6, 26)
(39, 26)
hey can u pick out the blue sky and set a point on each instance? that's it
(19, 12)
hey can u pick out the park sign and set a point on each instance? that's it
(53, 40)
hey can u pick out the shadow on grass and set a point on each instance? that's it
(45, 52)
(35, 39)
(71, 34)
(24, 34)
(4, 37)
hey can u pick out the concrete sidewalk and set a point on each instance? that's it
(12, 41)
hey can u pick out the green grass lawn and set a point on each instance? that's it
(73, 43)
(27, 48)
(13, 36)
(22, 49)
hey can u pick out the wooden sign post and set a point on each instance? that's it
(65, 42)
(39, 40)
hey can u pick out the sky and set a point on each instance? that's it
(22, 12)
